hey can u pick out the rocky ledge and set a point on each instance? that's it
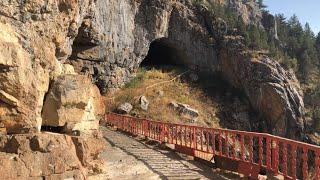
(49, 156)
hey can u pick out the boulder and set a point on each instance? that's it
(124, 108)
(88, 149)
(173, 104)
(185, 110)
(40, 155)
(144, 103)
(74, 103)
(23, 83)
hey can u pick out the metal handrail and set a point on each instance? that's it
(290, 158)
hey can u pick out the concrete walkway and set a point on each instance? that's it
(130, 158)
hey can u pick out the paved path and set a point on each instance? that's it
(129, 158)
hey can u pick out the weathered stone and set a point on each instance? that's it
(40, 155)
(73, 102)
(144, 103)
(88, 149)
(23, 83)
(124, 108)
(185, 110)
(173, 104)
(7, 98)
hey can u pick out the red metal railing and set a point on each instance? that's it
(253, 151)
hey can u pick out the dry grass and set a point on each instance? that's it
(176, 90)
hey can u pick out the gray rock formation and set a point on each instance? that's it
(248, 10)
(144, 103)
(272, 91)
(185, 110)
(124, 108)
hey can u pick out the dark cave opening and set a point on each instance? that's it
(234, 108)
(53, 129)
(164, 53)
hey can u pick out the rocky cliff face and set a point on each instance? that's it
(107, 40)
(248, 10)
(272, 91)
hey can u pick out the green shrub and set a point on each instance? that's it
(138, 80)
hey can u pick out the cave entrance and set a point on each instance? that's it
(54, 129)
(162, 52)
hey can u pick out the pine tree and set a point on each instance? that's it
(317, 43)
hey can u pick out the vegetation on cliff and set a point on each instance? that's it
(294, 45)
(218, 104)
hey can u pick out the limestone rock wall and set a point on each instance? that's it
(249, 10)
(107, 40)
(34, 36)
(120, 33)
(73, 103)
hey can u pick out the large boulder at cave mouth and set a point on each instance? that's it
(74, 103)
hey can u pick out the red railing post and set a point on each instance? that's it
(285, 158)
(207, 139)
(213, 143)
(176, 134)
(220, 142)
(294, 160)
(317, 165)
(170, 134)
(242, 153)
(275, 156)
(226, 143)
(201, 139)
(181, 135)
(150, 129)
(251, 149)
(162, 133)
(305, 163)
(190, 136)
(195, 138)
(185, 136)
(260, 151)
(268, 155)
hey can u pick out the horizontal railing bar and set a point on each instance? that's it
(256, 134)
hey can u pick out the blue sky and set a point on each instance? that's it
(306, 10)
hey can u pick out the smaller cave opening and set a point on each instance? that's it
(53, 129)
(162, 52)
